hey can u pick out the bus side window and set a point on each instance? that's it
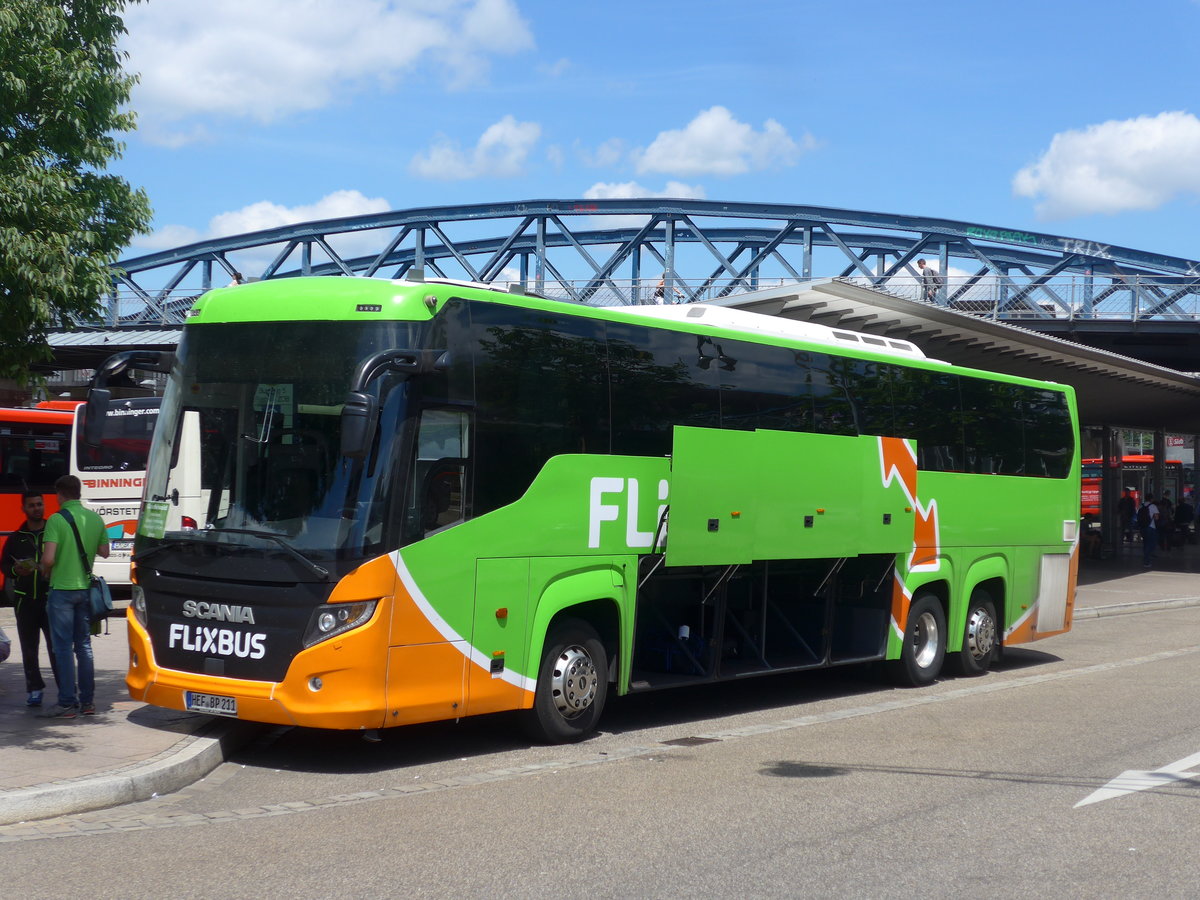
(440, 472)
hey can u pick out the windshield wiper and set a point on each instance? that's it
(173, 541)
(320, 571)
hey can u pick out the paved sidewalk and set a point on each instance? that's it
(130, 751)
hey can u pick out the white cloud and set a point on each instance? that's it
(607, 154)
(556, 68)
(631, 190)
(500, 152)
(627, 190)
(267, 59)
(265, 214)
(1115, 166)
(167, 238)
(716, 143)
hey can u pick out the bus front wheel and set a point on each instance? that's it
(981, 641)
(924, 647)
(572, 685)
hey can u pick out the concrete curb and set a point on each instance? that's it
(1137, 606)
(184, 764)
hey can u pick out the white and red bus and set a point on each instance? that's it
(41, 443)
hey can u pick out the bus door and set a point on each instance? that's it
(186, 491)
(427, 668)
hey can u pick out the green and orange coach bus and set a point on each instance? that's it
(423, 500)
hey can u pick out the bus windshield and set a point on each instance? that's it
(125, 443)
(269, 399)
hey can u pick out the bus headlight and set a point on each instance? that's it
(336, 618)
(138, 603)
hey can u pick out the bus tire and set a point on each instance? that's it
(924, 647)
(572, 685)
(981, 638)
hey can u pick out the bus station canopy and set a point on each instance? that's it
(1112, 390)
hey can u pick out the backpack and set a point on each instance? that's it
(1143, 516)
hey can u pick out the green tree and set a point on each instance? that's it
(63, 220)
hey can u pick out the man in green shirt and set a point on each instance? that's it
(68, 606)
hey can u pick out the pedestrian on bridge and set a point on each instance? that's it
(661, 289)
(929, 281)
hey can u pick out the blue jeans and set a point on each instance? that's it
(1149, 544)
(71, 639)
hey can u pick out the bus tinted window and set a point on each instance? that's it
(761, 387)
(871, 389)
(928, 408)
(660, 379)
(541, 390)
(993, 427)
(1049, 438)
(125, 446)
(33, 456)
(829, 380)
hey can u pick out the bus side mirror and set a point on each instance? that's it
(97, 409)
(359, 414)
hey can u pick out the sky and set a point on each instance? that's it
(1072, 118)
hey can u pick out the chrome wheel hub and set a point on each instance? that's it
(926, 640)
(573, 682)
(981, 634)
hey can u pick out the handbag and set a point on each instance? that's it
(99, 597)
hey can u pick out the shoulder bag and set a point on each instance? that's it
(99, 597)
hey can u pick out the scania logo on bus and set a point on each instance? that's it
(113, 482)
(222, 612)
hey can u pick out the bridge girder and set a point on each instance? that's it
(699, 248)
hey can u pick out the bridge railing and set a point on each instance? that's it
(998, 297)
(1160, 298)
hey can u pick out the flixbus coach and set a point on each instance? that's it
(433, 500)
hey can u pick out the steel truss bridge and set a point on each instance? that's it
(614, 252)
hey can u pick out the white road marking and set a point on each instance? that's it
(1135, 780)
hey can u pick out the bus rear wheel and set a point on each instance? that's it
(572, 685)
(924, 647)
(981, 641)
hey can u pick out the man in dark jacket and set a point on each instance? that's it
(19, 562)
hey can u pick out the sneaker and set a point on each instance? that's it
(59, 712)
(87, 709)
(35, 698)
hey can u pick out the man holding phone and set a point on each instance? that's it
(29, 588)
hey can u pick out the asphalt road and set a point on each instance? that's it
(797, 786)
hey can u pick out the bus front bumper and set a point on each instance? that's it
(333, 684)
